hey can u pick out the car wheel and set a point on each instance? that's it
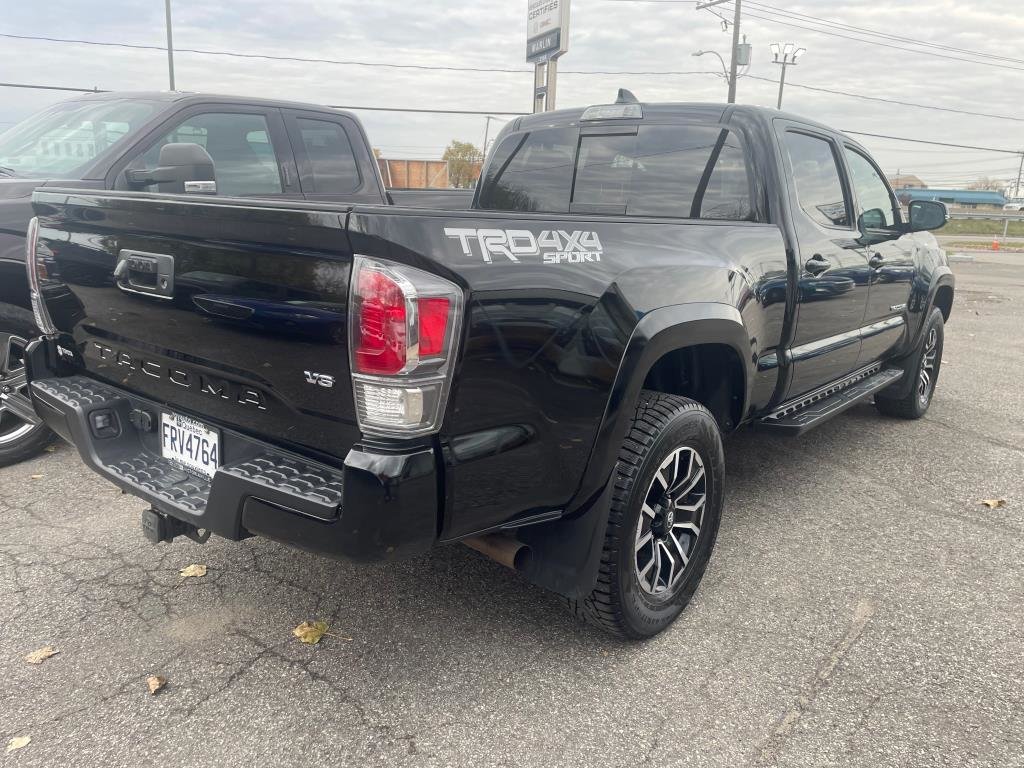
(667, 503)
(924, 367)
(22, 434)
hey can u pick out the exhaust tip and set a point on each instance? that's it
(505, 550)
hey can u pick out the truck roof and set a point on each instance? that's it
(662, 111)
(186, 97)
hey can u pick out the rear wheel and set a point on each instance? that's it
(924, 367)
(22, 434)
(666, 507)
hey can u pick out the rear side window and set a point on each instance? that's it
(332, 163)
(816, 176)
(696, 172)
(531, 172)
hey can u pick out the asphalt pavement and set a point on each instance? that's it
(861, 609)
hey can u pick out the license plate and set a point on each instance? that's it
(190, 444)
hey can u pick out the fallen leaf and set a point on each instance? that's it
(193, 571)
(993, 503)
(38, 657)
(155, 683)
(50, 448)
(310, 632)
(18, 742)
(37, 477)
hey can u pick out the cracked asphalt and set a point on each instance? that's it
(862, 609)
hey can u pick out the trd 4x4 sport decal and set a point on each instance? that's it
(556, 246)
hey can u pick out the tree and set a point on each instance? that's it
(464, 162)
(987, 184)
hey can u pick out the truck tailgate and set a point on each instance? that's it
(236, 314)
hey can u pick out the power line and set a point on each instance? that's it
(936, 143)
(877, 33)
(428, 111)
(892, 101)
(331, 106)
(53, 88)
(881, 44)
(973, 162)
(790, 15)
(343, 62)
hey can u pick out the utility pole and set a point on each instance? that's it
(1020, 169)
(735, 52)
(734, 63)
(789, 54)
(170, 44)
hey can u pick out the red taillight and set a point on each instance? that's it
(433, 324)
(403, 327)
(380, 337)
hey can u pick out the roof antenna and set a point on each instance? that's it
(626, 97)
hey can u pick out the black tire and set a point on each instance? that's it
(925, 361)
(624, 602)
(18, 440)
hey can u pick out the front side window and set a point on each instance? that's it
(816, 176)
(875, 206)
(331, 160)
(695, 172)
(62, 141)
(243, 154)
(531, 172)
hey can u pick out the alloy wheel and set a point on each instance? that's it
(17, 418)
(928, 371)
(670, 522)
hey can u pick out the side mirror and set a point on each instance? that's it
(927, 214)
(183, 168)
(873, 228)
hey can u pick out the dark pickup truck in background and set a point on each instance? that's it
(277, 150)
(546, 377)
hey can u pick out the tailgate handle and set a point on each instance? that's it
(151, 274)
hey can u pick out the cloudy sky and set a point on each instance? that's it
(653, 36)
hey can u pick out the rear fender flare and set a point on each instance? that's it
(567, 552)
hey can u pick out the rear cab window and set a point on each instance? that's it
(332, 163)
(697, 171)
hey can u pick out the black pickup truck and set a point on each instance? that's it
(546, 377)
(278, 150)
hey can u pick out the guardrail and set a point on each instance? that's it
(997, 215)
(1004, 216)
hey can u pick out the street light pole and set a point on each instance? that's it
(785, 56)
(487, 131)
(170, 44)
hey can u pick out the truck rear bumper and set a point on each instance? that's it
(378, 506)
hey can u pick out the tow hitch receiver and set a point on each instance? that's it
(160, 527)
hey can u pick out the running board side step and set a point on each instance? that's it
(810, 410)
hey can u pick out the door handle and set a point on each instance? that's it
(817, 264)
(877, 261)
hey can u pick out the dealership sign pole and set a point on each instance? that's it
(547, 38)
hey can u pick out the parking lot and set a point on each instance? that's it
(862, 609)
